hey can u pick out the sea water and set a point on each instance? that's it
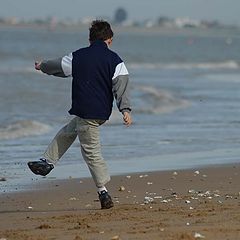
(184, 93)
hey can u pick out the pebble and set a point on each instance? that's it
(121, 188)
(143, 176)
(149, 183)
(115, 237)
(194, 198)
(128, 177)
(72, 199)
(158, 197)
(175, 173)
(191, 191)
(148, 200)
(187, 201)
(3, 179)
(152, 193)
(197, 172)
(198, 235)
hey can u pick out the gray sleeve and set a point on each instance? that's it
(121, 92)
(53, 67)
(60, 67)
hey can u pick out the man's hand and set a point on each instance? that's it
(127, 118)
(37, 65)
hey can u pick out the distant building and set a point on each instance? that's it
(165, 22)
(211, 24)
(186, 22)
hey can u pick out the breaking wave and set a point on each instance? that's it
(231, 64)
(22, 128)
(158, 101)
(151, 100)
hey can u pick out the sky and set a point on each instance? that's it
(225, 11)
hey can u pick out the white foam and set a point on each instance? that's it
(160, 101)
(230, 64)
(23, 128)
(152, 101)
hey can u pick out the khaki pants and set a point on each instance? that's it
(87, 131)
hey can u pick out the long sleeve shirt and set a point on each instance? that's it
(98, 76)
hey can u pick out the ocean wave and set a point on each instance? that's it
(224, 77)
(17, 70)
(22, 128)
(151, 100)
(231, 64)
(158, 101)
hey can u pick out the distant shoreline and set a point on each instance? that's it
(128, 29)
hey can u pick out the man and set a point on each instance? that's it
(98, 75)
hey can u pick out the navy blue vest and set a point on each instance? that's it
(93, 68)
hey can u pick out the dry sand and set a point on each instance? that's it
(186, 204)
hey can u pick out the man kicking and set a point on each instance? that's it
(98, 75)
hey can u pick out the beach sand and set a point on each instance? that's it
(183, 204)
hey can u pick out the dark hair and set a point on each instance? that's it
(100, 30)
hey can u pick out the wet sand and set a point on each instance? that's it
(187, 204)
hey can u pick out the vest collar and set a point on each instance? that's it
(99, 43)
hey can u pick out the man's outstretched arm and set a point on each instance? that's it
(60, 67)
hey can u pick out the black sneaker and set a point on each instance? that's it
(40, 167)
(105, 199)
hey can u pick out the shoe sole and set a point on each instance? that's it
(37, 168)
